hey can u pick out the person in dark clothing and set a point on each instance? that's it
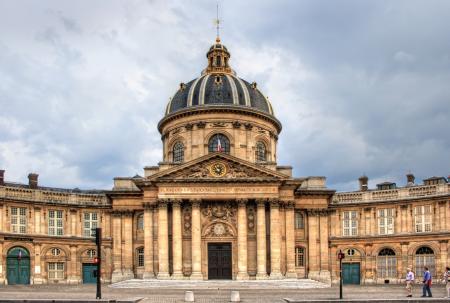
(426, 282)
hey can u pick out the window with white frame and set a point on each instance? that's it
(90, 222)
(55, 270)
(386, 221)
(55, 252)
(19, 220)
(386, 264)
(91, 253)
(350, 223)
(299, 220)
(299, 257)
(140, 256)
(423, 218)
(55, 222)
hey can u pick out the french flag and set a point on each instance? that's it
(219, 145)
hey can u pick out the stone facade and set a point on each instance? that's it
(219, 206)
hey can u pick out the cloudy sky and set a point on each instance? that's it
(360, 86)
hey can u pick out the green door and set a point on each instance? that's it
(18, 266)
(88, 273)
(350, 273)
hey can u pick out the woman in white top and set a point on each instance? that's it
(409, 281)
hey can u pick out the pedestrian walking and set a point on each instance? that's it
(447, 280)
(409, 281)
(426, 283)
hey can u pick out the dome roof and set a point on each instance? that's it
(218, 85)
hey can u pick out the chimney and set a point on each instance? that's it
(363, 180)
(410, 179)
(33, 180)
(2, 177)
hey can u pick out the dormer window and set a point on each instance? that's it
(386, 185)
(435, 181)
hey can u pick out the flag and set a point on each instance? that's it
(219, 145)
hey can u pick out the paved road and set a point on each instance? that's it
(207, 295)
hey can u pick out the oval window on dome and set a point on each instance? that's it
(219, 143)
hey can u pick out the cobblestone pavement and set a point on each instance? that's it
(169, 295)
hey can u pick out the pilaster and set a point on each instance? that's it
(148, 241)
(261, 240)
(163, 240)
(275, 240)
(177, 240)
(242, 240)
(196, 242)
(290, 240)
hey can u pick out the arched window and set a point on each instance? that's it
(386, 263)
(178, 152)
(140, 222)
(299, 257)
(140, 256)
(91, 253)
(55, 252)
(425, 257)
(261, 154)
(219, 143)
(299, 220)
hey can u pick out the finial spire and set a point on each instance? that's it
(217, 22)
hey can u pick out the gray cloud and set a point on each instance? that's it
(360, 86)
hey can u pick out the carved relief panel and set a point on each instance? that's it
(219, 219)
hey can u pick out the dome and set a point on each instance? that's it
(218, 86)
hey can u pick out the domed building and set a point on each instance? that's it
(219, 206)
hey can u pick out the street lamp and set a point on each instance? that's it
(341, 256)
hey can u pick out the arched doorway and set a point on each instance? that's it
(18, 266)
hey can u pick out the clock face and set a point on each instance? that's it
(218, 169)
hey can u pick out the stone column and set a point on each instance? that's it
(148, 242)
(325, 275)
(117, 247)
(196, 242)
(275, 241)
(177, 240)
(261, 240)
(163, 240)
(72, 266)
(242, 240)
(290, 241)
(127, 252)
(313, 249)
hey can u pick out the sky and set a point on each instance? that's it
(361, 87)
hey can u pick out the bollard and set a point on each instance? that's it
(189, 296)
(235, 297)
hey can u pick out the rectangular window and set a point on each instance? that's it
(55, 270)
(350, 223)
(19, 220)
(386, 221)
(423, 218)
(90, 222)
(55, 223)
(299, 220)
(299, 257)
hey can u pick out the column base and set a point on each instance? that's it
(117, 276)
(291, 275)
(177, 276)
(128, 274)
(276, 276)
(196, 276)
(73, 280)
(262, 276)
(147, 275)
(163, 276)
(242, 276)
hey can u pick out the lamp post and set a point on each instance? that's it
(341, 256)
(98, 260)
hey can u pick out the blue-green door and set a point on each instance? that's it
(88, 273)
(350, 273)
(18, 266)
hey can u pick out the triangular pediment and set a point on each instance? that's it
(218, 167)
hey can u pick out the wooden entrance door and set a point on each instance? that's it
(89, 273)
(18, 266)
(351, 273)
(219, 261)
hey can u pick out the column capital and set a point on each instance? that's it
(242, 202)
(163, 203)
(261, 202)
(195, 202)
(116, 213)
(289, 204)
(148, 205)
(176, 202)
(274, 203)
